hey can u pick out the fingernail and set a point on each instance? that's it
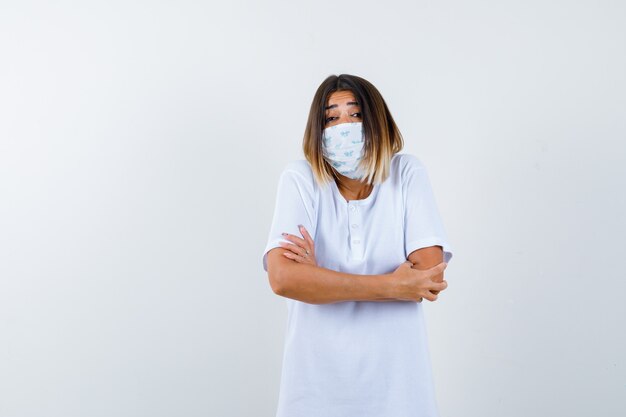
(300, 226)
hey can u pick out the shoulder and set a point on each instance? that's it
(407, 164)
(299, 168)
(407, 160)
(300, 172)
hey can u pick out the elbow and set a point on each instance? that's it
(278, 271)
(276, 281)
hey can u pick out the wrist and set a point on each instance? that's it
(388, 287)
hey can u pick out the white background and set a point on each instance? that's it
(140, 148)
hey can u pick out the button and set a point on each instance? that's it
(352, 208)
(354, 225)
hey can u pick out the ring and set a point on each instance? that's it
(307, 252)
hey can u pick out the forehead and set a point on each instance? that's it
(340, 97)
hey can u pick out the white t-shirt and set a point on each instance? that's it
(358, 358)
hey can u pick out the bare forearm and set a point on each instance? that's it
(317, 285)
(427, 258)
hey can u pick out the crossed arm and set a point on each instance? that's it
(318, 285)
(425, 258)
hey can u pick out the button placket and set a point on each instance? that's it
(354, 220)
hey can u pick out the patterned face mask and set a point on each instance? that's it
(342, 147)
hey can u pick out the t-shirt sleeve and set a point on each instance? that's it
(423, 226)
(294, 206)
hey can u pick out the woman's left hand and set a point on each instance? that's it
(301, 250)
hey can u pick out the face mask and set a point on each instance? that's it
(342, 147)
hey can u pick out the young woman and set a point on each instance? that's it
(356, 243)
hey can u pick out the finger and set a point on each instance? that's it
(437, 269)
(438, 286)
(295, 249)
(430, 296)
(307, 236)
(295, 239)
(294, 257)
(437, 277)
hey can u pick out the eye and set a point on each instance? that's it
(330, 119)
(356, 114)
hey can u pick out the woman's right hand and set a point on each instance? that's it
(414, 284)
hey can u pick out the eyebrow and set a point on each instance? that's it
(350, 103)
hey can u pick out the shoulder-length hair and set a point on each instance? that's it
(382, 139)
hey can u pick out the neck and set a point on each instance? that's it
(353, 189)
